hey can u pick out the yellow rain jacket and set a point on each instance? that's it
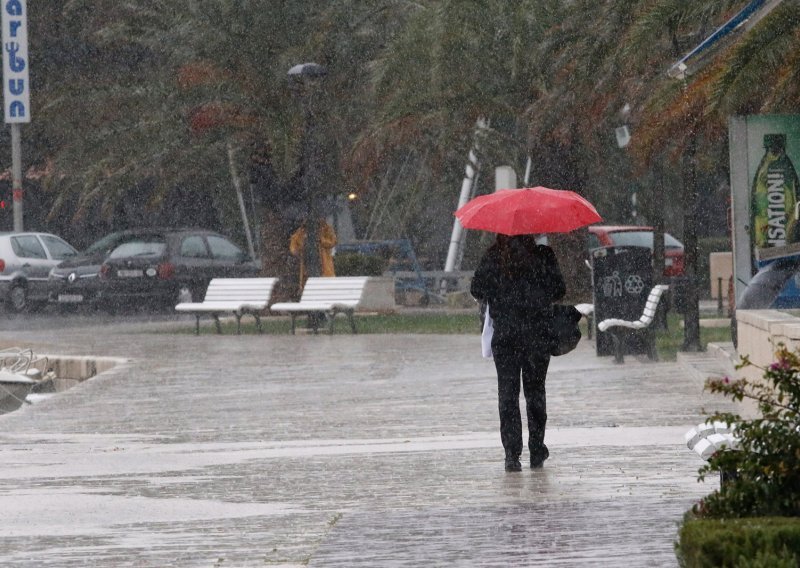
(327, 240)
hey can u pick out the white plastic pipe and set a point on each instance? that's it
(466, 188)
(237, 185)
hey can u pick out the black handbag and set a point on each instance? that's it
(566, 333)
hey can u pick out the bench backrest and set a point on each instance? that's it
(240, 289)
(334, 289)
(651, 305)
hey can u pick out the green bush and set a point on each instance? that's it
(767, 461)
(753, 520)
(757, 542)
(354, 264)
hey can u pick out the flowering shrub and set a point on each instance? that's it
(764, 472)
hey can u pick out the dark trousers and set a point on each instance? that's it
(513, 360)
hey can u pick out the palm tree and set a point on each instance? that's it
(689, 120)
(450, 65)
(765, 56)
(168, 87)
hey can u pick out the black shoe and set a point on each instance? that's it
(537, 459)
(513, 464)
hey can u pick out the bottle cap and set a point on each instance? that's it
(774, 141)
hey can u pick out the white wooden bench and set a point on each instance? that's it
(237, 296)
(711, 437)
(643, 323)
(329, 296)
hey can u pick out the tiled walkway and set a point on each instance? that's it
(376, 451)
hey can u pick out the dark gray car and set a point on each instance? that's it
(25, 262)
(157, 267)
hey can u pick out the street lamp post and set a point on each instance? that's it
(304, 80)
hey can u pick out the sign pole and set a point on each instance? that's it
(16, 175)
(16, 90)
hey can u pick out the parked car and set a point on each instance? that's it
(25, 261)
(632, 235)
(158, 267)
(76, 280)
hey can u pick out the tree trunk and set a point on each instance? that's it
(570, 250)
(657, 215)
(691, 316)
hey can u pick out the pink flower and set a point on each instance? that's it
(780, 365)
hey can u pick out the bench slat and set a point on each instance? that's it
(649, 312)
(232, 295)
(327, 294)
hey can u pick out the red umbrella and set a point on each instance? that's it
(528, 211)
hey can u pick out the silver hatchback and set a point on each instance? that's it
(25, 262)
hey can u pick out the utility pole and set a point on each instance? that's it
(691, 316)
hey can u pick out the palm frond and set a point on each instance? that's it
(759, 55)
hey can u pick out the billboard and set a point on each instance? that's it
(765, 191)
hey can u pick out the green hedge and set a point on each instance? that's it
(354, 264)
(740, 543)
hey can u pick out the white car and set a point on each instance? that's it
(26, 259)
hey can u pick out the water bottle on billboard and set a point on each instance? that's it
(775, 196)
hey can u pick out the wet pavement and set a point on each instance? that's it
(366, 450)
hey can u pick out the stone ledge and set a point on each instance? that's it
(71, 370)
(759, 332)
(763, 319)
(378, 295)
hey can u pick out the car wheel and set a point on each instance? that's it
(18, 298)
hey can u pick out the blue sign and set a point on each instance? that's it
(16, 87)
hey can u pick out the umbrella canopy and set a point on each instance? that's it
(764, 288)
(527, 211)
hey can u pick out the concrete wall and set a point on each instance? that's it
(70, 370)
(759, 332)
(720, 265)
(81, 368)
(378, 295)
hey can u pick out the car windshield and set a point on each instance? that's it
(110, 242)
(642, 239)
(139, 248)
(105, 244)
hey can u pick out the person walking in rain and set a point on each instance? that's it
(519, 281)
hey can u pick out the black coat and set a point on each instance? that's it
(520, 302)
